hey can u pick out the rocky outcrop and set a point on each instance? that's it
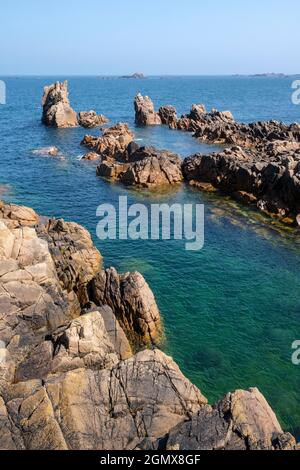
(168, 116)
(91, 119)
(268, 177)
(113, 140)
(144, 167)
(145, 114)
(242, 420)
(57, 111)
(133, 303)
(217, 127)
(68, 377)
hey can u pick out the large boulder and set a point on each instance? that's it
(57, 111)
(132, 302)
(145, 114)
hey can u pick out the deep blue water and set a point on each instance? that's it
(231, 310)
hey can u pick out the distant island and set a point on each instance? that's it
(270, 74)
(136, 75)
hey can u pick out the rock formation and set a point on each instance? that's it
(68, 377)
(168, 116)
(268, 176)
(145, 114)
(91, 119)
(57, 111)
(216, 127)
(113, 140)
(132, 301)
(144, 167)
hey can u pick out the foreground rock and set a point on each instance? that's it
(132, 301)
(91, 119)
(242, 420)
(268, 177)
(113, 140)
(68, 379)
(57, 111)
(145, 114)
(144, 167)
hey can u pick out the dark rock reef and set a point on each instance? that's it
(268, 176)
(261, 167)
(68, 377)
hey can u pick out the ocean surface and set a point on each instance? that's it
(230, 310)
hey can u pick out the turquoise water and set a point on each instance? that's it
(231, 310)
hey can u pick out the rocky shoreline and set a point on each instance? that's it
(81, 369)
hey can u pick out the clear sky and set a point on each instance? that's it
(152, 36)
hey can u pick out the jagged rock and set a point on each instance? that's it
(113, 140)
(168, 116)
(243, 420)
(269, 174)
(219, 127)
(145, 114)
(132, 302)
(91, 119)
(57, 111)
(144, 167)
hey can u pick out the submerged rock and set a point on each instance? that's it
(91, 119)
(57, 111)
(145, 114)
(52, 151)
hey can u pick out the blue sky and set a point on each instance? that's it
(155, 37)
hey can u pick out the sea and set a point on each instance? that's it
(230, 310)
